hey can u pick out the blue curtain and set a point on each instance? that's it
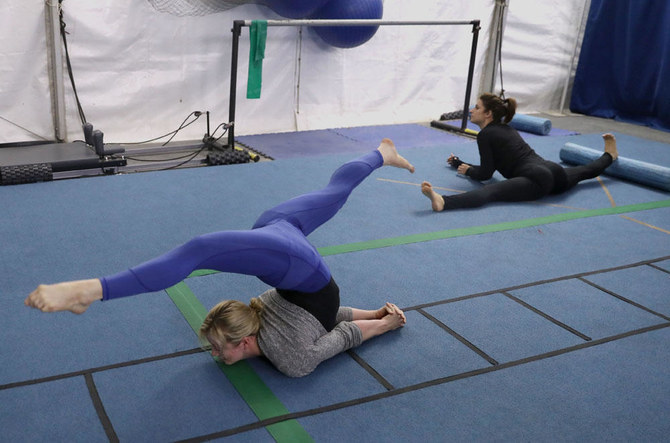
(624, 64)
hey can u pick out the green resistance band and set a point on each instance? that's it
(241, 375)
(258, 32)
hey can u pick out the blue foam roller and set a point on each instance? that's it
(628, 169)
(534, 125)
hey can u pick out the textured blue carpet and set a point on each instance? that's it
(423, 382)
(616, 391)
(345, 140)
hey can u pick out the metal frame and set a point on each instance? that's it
(239, 24)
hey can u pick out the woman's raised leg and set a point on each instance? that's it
(309, 211)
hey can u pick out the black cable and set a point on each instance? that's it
(158, 160)
(195, 154)
(63, 33)
(182, 126)
(190, 156)
(499, 46)
(171, 133)
(225, 131)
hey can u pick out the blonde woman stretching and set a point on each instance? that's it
(297, 324)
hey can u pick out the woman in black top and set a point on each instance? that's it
(529, 176)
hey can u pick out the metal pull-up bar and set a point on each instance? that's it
(239, 24)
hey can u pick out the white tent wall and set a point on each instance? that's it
(540, 39)
(140, 72)
(25, 102)
(403, 74)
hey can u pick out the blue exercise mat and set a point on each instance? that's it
(343, 140)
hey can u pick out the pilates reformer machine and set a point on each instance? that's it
(21, 163)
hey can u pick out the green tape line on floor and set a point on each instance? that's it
(451, 233)
(241, 375)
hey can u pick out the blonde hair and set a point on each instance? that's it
(503, 110)
(230, 321)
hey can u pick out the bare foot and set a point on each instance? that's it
(74, 296)
(610, 145)
(391, 156)
(436, 200)
(394, 320)
(390, 309)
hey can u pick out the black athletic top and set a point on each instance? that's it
(501, 148)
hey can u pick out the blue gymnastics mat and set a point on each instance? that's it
(345, 140)
(494, 298)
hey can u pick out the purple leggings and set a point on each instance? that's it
(275, 250)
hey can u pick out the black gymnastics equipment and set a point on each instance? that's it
(239, 24)
(47, 161)
(31, 163)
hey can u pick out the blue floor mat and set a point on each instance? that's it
(167, 399)
(502, 328)
(154, 383)
(653, 294)
(56, 411)
(345, 140)
(569, 397)
(589, 310)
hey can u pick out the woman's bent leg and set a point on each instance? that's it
(309, 211)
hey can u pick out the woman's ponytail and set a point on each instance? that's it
(502, 111)
(510, 107)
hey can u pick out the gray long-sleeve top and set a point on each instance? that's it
(295, 342)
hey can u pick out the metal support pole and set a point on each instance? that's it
(237, 31)
(471, 71)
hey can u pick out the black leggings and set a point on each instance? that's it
(531, 182)
(322, 304)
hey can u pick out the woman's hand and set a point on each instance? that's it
(451, 159)
(457, 163)
(463, 168)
